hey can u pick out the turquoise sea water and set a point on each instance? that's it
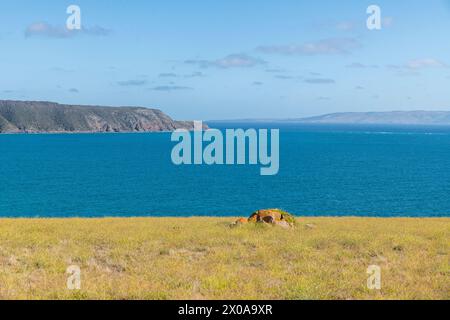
(324, 170)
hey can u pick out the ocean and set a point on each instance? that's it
(325, 170)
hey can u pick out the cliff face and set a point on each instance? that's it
(37, 116)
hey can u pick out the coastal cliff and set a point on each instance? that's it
(50, 117)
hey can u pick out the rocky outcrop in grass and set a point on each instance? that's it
(276, 217)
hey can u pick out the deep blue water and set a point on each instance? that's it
(324, 170)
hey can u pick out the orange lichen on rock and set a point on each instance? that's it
(242, 220)
(266, 215)
(269, 216)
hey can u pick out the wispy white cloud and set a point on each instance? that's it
(167, 75)
(358, 65)
(412, 67)
(283, 77)
(345, 25)
(419, 64)
(170, 88)
(43, 29)
(425, 63)
(322, 47)
(231, 61)
(387, 22)
(275, 70)
(196, 74)
(131, 83)
(351, 25)
(319, 81)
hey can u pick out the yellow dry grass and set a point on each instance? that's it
(202, 258)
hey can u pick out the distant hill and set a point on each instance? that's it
(391, 117)
(48, 117)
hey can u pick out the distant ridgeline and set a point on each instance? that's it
(426, 118)
(49, 117)
(391, 117)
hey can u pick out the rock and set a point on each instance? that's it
(262, 215)
(238, 222)
(268, 219)
(274, 217)
(241, 221)
(310, 226)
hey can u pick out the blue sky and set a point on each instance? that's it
(229, 59)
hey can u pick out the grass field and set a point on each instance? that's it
(202, 258)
